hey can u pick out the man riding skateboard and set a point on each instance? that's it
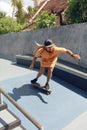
(49, 54)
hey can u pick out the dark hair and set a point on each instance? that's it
(48, 42)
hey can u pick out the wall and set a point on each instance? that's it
(73, 37)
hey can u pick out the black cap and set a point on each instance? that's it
(48, 43)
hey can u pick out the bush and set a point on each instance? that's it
(45, 20)
(7, 24)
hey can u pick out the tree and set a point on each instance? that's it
(76, 11)
(14, 4)
(45, 20)
(20, 12)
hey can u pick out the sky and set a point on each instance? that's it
(5, 6)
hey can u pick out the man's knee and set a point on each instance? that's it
(41, 70)
(50, 70)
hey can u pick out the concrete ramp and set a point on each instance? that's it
(80, 123)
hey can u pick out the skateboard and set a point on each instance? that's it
(39, 86)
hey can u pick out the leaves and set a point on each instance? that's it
(77, 11)
(45, 20)
(8, 24)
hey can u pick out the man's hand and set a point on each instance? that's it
(76, 56)
(31, 66)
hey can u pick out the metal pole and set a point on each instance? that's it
(1, 99)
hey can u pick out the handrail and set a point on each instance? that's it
(36, 123)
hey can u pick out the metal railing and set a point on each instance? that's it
(26, 114)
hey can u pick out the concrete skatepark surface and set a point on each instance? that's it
(54, 111)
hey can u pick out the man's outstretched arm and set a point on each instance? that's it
(64, 50)
(75, 56)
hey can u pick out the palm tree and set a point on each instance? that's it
(14, 4)
(20, 12)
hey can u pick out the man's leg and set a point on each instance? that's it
(49, 75)
(41, 71)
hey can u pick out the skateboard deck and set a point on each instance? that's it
(39, 86)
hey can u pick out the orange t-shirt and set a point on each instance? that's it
(49, 59)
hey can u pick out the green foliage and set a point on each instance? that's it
(31, 11)
(76, 12)
(20, 12)
(2, 14)
(45, 20)
(8, 24)
(14, 4)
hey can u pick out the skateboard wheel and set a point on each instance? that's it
(48, 93)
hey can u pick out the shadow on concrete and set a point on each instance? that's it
(26, 90)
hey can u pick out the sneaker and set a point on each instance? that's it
(34, 81)
(47, 86)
